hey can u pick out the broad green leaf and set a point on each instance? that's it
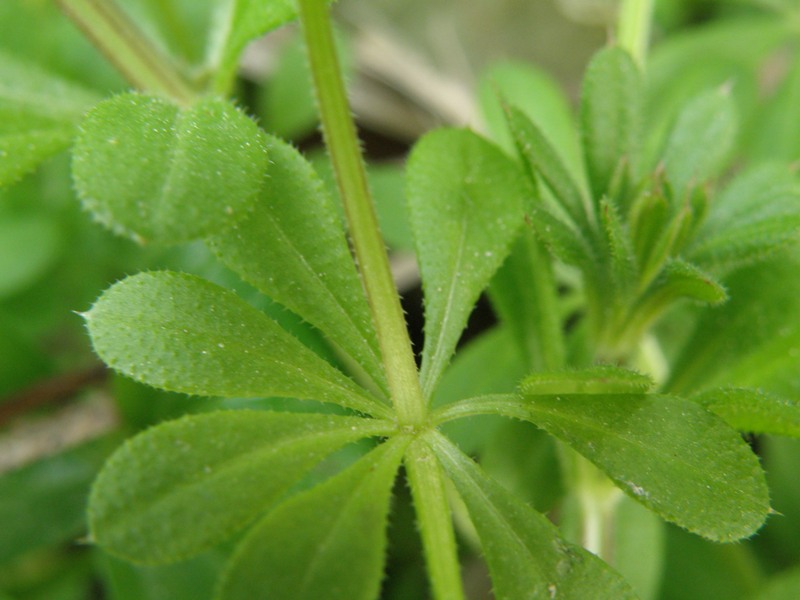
(44, 502)
(183, 334)
(29, 246)
(668, 453)
(751, 341)
(293, 248)
(603, 379)
(756, 214)
(328, 542)
(157, 171)
(38, 114)
(538, 96)
(544, 162)
(701, 140)
(753, 410)
(611, 100)
(466, 203)
(527, 559)
(201, 478)
(524, 294)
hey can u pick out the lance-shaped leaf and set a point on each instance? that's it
(543, 161)
(619, 246)
(758, 213)
(185, 485)
(183, 334)
(701, 139)
(38, 114)
(328, 542)
(524, 294)
(753, 410)
(751, 341)
(668, 453)
(601, 379)
(466, 201)
(527, 559)
(157, 171)
(292, 247)
(611, 100)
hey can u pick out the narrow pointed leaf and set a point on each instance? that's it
(183, 334)
(186, 485)
(620, 247)
(701, 139)
(543, 161)
(328, 542)
(524, 294)
(527, 559)
(753, 410)
(466, 203)
(38, 116)
(293, 248)
(758, 213)
(563, 240)
(604, 379)
(680, 279)
(157, 171)
(751, 341)
(611, 101)
(668, 453)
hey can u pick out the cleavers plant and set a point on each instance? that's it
(584, 242)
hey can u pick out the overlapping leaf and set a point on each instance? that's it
(292, 247)
(753, 410)
(157, 171)
(183, 486)
(527, 559)
(328, 542)
(466, 203)
(181, 333)
(668, 453)
(611, 101)
(38, 114)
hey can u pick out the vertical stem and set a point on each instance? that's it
(123, 43)
(435, 521)
(369, 247)
(633, 27)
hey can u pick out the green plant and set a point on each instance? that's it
(587, 247)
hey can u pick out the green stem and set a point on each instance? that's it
(368, 245)
(435, 521)
(124, 44)
(633, 28)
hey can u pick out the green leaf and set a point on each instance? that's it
(183, 334)
(466, 201)
(668, 453)
(38, 113)
(543, 161)
(40, 238)
(638, 552)
(784, 586)
(751, 341)
(293, 248)
(523, 293)
(611, 100)
(602, 379)
(753, 410)
(680, 279)
(538, 96)
(756, 214)
(620, 249)
(201, 478)
(157, 171)
(527, 559)
(44, 502)
(239, 22)
(328, 542)
(564, 240)
(701, 139)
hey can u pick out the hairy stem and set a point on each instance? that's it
(435, 521)
(124, 44)
(368, 245)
